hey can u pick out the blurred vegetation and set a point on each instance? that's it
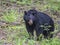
(13, 10)
(10, 16)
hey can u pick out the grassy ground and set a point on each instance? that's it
(12, 28)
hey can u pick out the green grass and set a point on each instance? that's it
(54, 41)
(10, 16)
(22, 2)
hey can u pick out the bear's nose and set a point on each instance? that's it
(30, 22)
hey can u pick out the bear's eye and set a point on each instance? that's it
(33, 14)
(27, 20)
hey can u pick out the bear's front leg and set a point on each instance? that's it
(30, 30)
(39, 32)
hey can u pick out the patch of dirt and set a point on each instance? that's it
(2, 34)
(7, 44)
(58, 35)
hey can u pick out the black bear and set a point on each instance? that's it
(40, 22)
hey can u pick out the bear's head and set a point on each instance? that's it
(29, 16)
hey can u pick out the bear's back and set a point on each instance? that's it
(43, 17)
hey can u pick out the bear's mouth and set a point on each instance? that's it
(30, 22)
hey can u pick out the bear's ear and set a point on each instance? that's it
(25, 12)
